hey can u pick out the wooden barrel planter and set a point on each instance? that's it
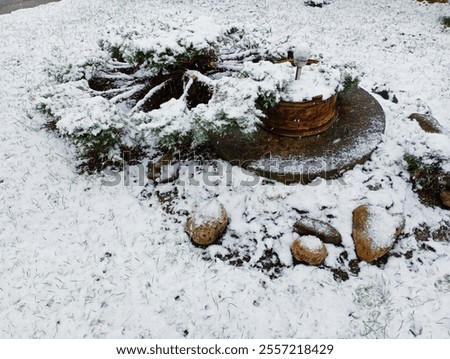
(300, 119)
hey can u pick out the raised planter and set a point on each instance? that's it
(300, 119)
(350, 141)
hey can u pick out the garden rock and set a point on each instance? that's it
(310, 250)
(326, 232)
(445, 197)
(375, 231)
(427, 123)
(207, 224)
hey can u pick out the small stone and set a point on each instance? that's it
(445, 197)
(207, 224)
(427, 123)
(374, 231)
(310, 250)
(314, 227)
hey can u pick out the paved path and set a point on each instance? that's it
(7, 6)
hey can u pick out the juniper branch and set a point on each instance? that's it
(149, 95)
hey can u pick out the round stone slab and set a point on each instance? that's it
(350, 141)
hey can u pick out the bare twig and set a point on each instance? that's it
(147, 97)
(113, 91)
(117, 76)
(127, 94)
(119, 65)
(187, 87)
(200, 77)
(240, 55)
(232, 66)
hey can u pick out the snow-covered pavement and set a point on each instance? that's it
(7, 6)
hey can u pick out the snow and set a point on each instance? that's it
(301, 53)
(169, 172)
(81, 259)
(311, 243)
(382, 226)
(208, 212)
(315, 80)
(170, 118)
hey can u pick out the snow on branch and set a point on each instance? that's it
(147, 97)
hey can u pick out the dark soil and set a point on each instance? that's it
(312, 3)
(99, 83)
(424, 233)
(172, 89)
(199, 93)
(269, 263)
(445, 21)
(385, 94)
(167, 199)
(340, 275)
(132, 155)
(428, 180)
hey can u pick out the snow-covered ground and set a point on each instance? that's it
(79, 259)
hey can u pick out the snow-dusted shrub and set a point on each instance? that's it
(171, 85)
(349, 82)
(91, 122)
(445, 20)
(62, 69)
(349, 77)
(429, 177)
(237, 101)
